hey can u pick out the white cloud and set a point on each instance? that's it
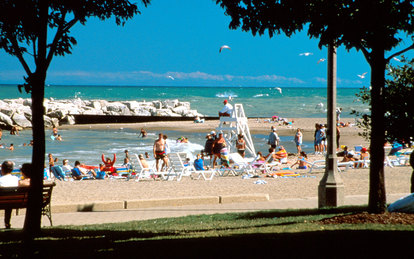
(134, 77)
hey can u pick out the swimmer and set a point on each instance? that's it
(59, 138)
(143, 133)
(55, 132)
(14, 131)
(11, 148)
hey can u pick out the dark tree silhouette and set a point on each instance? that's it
(370, 26)
(24, 28)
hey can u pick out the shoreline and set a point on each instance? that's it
(349, 135)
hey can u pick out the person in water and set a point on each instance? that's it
(143, 133)
(109, 164)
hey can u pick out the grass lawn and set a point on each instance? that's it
(276, 233)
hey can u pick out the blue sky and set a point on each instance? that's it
(181, 39)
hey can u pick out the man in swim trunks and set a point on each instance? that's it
(159, 151)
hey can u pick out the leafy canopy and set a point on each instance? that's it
(398, 104)
(354, 24)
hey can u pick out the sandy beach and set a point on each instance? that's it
(356, 181)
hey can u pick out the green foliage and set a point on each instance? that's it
(398, 104)
(354, 24)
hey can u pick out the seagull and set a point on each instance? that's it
(172, 78)
(279, 89)
(396, 59)
(306, 54)
(224, 47)
(363, 75)
(321, 60)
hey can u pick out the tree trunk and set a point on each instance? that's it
(33, 218)
(377, 198)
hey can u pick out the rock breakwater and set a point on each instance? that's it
(17, 112)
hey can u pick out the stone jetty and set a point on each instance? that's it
(17, 112)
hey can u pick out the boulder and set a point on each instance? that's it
(21, 120)
(141, 112)
(182, 110)
(6, 119)
(27, 102)
(132, 105)
(68, 119)
(169, 104)
(157, 104)
(115, 107)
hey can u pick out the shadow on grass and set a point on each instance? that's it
(62, 243)
(302, 212)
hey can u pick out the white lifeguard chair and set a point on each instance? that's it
(234, 125)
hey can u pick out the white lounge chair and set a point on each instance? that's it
(268, 166)
(179, 169)
(141, 172)
(315, 165)
(241, 165)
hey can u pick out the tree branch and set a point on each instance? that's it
(399, 53)
(61, 29)
(366, 55)
(19, 56)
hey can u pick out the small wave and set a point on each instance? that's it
(226, 95)
(260, 95)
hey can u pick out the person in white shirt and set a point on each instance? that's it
(227, 109)
(8, 180)
(66, 167)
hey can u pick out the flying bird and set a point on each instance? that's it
(279, 89)
(224, 47)
(321, 60)
(306, 54)
(172, 78)
(363, 75)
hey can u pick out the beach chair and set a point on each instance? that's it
(141, 172)
(344, 166)
(315, 165)
(241, 165)
(362, 163)
(180, 169)
(268, 166)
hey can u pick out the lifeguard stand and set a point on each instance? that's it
(234, 125)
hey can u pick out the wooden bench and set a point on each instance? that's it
(17, 197)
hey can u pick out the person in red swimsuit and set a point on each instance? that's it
(109, 164)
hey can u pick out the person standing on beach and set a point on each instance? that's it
(317, 140)
(273, 140)
(217, 146)
(338, 114)
(208, 146)
(227, 109)
(241, 145)
(298, 140)
(159, 151)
